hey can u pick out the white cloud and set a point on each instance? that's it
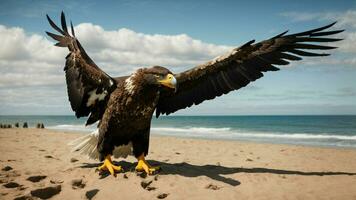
(16, 45)
(348, 44)
(33, 60)
(348, 18)
(126, 47)
(28, 59)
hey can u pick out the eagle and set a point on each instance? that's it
(124, 106)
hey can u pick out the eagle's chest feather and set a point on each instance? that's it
(133, 103)
(141, 105)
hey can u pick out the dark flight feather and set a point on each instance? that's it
(72, 29)
(280, 35)
(310, 32)
(54, 25)
(326, 33)
(64, 24)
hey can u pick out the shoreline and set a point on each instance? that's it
(192, 168)
(219, 139)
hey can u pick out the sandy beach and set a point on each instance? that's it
(38, 163)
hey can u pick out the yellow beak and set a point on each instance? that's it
(169, 81)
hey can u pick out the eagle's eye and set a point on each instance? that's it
(168, 81)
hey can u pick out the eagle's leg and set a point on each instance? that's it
(142, 165)
(108, 165)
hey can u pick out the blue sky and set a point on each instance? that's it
(33, 80)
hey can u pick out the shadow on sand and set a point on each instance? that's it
(215, 171)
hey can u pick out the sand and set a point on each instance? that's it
(38, 163)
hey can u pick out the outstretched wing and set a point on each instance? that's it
(88, 86)
(242, 66)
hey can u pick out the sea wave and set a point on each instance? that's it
(192, 129)
(240, 133)
(229, 133)
(73, 127)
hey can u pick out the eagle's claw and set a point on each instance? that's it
(143, 166)
(108, 165)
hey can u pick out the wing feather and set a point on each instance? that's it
(242, 66)
(87, 84)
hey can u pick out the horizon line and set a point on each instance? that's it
(207, 115)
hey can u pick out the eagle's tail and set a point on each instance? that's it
(87, 145)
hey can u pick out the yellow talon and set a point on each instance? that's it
(142, 165)
(108, 165)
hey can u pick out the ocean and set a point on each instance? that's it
(335, 131)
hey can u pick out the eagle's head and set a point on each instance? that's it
(161, 77)
(153, 78)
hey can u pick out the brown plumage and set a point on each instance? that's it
(124, 105)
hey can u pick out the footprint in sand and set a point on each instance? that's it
(91, 193)
(7, 168)
(162, 195)
(150, 188)
(78, 183)
(11, 185)
(51, 157)
(47, 192)
(48, 156)
(212, 187)
(36, 179)
(145, 183)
